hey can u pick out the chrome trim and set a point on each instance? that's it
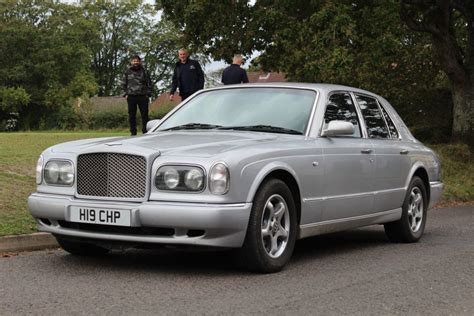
(345, 196)
(148, 164)
(336, 225)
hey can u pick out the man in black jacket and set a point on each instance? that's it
(136, 84)
(234, 74)
(188, 76)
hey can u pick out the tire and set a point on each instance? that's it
(271, 236)
(80, 248)
(411, 225)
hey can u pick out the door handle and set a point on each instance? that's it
(404, 152)
(366, 151)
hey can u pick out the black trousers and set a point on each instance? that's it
(185, 95)
(142, 102)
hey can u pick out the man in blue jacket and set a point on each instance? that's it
(188, 76)
(234, 74)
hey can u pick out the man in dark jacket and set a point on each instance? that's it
(234, 74)
(188, 76)
(136, 85)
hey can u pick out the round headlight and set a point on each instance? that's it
(51, 172)
(59, 172)
(194, 179)
(219, 179)
(66, 174)
(39, 170)
(171, 178)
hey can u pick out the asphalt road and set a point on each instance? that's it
(357, 272)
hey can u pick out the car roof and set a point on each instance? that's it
(323, 87)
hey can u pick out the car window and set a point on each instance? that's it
(280, 107)
(340, 107)
(391, 127)
(374, 121)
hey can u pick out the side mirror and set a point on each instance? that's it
(338, 128)
(152, 124)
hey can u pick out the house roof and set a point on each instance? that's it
(256, 77)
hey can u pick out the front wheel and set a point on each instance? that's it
(271, 232)
(411, 226)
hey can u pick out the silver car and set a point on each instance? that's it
(251, 167)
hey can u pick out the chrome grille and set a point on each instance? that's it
(111, 175)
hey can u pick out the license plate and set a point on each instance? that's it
(102, 216)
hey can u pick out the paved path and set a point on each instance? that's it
(357, 272)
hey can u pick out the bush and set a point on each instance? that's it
(117, 118)
(428, 114)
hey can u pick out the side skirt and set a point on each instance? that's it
(336, 225)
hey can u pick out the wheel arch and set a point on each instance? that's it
(285, 174)
(420, 171)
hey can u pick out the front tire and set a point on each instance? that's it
(271, 232)
(411, 226)
(80, 248)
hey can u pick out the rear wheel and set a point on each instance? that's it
(271, 232)
(81, 248)
(411, 226)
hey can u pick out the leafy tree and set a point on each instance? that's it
(450, 24)
(13, 99)
(44, 55)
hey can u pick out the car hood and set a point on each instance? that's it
(182, 143)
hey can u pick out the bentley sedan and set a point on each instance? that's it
(251, 167)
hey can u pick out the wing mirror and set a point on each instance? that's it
(338, 128)
(152, 124)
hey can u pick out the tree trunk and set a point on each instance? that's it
(463, 113)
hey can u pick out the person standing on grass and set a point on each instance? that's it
(234, 74)
(188, 76)
(136, 84)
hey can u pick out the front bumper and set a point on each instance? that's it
(436, 190)
(222, 225)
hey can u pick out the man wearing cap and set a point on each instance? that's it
(136, 84)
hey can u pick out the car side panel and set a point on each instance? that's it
(348, 177)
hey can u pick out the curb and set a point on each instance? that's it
(35, 241)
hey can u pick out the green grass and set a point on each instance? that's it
(457, 166)
(19, 153)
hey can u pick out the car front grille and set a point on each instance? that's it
(112, 175)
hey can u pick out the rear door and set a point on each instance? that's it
(391, 160)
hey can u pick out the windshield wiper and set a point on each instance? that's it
(192, 126)
(263, 128)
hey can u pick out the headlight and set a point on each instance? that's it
(180, 178)
(219, 179)
(59, 172)
(39, 170)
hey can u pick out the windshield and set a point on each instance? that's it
(278, 108)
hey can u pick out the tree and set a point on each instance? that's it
(451, 26)
(44, 55)
(217, 28)
(353, 42)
